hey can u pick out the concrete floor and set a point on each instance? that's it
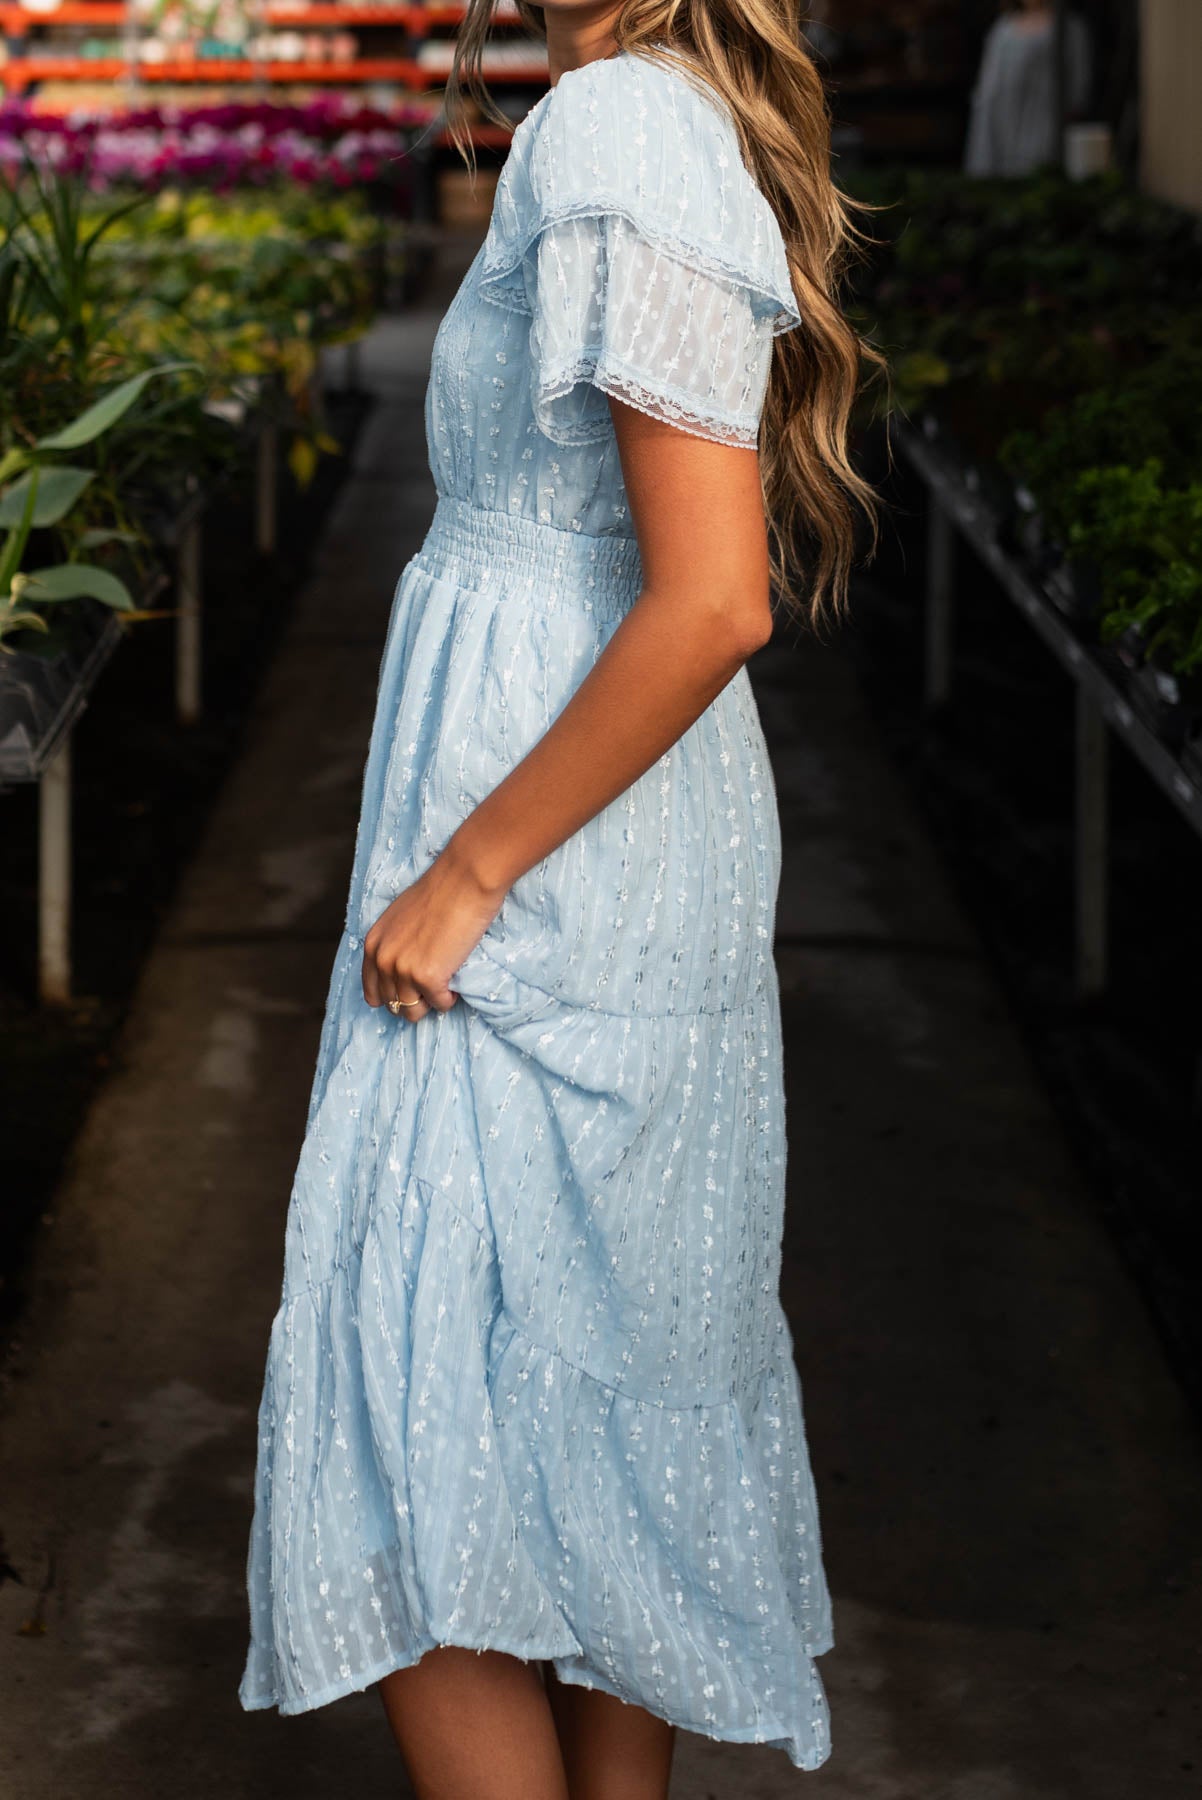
(1011, 1481)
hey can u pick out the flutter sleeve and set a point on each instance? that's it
(650, 264)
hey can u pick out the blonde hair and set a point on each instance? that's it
(752, 54)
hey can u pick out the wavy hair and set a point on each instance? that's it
(753, 55)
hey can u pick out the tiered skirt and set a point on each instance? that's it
(530, 1386)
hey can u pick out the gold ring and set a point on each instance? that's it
(395, 1006)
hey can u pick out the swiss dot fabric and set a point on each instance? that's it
(623, 318)
(530, 1386)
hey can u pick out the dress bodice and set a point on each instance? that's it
(629, 254)
(484, 444)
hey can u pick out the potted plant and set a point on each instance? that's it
(1146, 539)
(44, 669)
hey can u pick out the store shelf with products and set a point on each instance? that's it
(264, 43)
(16, 19)
(29, 70)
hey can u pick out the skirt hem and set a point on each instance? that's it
(570, 1673)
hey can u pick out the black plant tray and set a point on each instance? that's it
(992, 489)
(1169, 704)
(1075, 591)
(1157, 700)
(1154, 735)
(42, 696)
(1191, 755)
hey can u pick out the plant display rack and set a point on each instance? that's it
(956, 506)
(42, 700)
(391, 44)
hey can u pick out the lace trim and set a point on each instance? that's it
(504, 255)
(667, 405)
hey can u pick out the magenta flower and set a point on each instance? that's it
(331, 141)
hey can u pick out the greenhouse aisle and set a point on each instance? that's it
(1011, 1481)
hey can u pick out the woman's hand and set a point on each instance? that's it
(419, 941)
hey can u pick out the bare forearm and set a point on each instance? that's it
(663, 665)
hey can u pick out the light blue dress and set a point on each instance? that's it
(530, 1386)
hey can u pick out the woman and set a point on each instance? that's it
(1014, 124)
(531, 1449)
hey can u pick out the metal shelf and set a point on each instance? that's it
(16, 20)
(40, 700)
(416, 22)
(1101, 706)
(28, 69)
(977, 523)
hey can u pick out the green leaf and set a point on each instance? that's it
(14, 548)
(302, 460)
(92, 540)
(58, 490)
(8, 282)
(12, 621)
(78, 581)
(111, 218)
(924, 368)
(107, 410)
(12, 464)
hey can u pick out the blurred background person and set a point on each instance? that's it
(1015, 119)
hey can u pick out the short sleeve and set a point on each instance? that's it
(650, 264)
(616, 315)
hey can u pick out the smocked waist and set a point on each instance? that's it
(477, 548)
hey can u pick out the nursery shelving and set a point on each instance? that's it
(261, 386)
(31, 70)
(393, 45)
(41, 701)
(956, 506)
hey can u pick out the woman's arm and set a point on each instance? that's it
(704, 607)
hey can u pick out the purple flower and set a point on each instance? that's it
(330, 140)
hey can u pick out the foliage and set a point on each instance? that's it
(248, 288)
(1033, 289)
(243, 292)
(1146, 539)
(1153, 414)
(38, 493)
(98, 296)
(1053, 327)
(65, 337)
